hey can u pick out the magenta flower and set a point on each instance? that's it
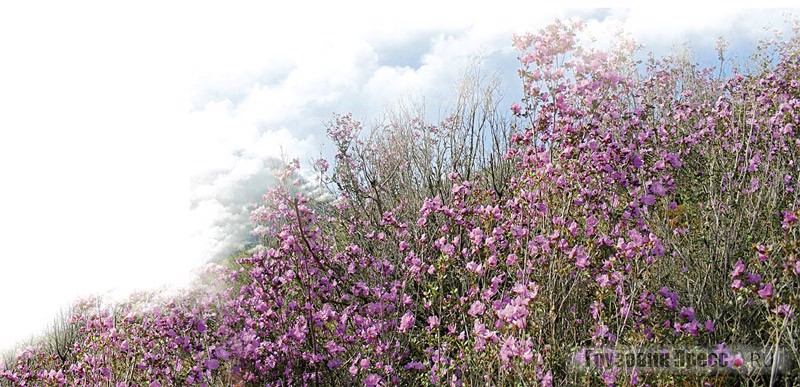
(600, 331)
(762, 253)
(737, 360)
(738, 269)
(602, 280)
(476, 236)
(448, 249)
(765, 291)
(474, 267)
(476, 309)
(784, 310)
(673, 160)
(595, 308)
(508, 350)
(658, 189)
(364, 364)
(406, 322)
(687, 313)
(637, 160)
(433, 322)
(670, 298)
(403, 246)
(353, 369)
(372, 380)
(753, 277)
(212, 364)
(414, 365)
(789, 218)
(335, 363)
(634, 379)
(547, 379)
(582, 260)
(609, 378)
(692, 327)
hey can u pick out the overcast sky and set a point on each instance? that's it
(133, 137)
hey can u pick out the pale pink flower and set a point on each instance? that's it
(406, 322)
(516, 108)
(476, 309)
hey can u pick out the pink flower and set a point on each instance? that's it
(789, 218)
(547, 380)
(364, 364)
(474, 267)
(476, 236)
(673, 160)
(609, 378)
(433, 322)
(762, 253)
(448, 249)
(637, 161)
(414, 365)
(687, 313)
(406, 322)
(765, 291)
(476, 309)
(753, 166)
(671, 298)
(212, 364)
(353, 369)
(784, 310)
(516, 108)
(582, 260)
(658, 189)
(372, 380)
(738, 269)
(573, 228)
(737, 360)
(595, 309)
(508, 350)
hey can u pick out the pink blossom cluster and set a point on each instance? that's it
(648, 202)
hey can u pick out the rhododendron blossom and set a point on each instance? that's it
(618, 202)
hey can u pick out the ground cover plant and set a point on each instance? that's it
(620, 203)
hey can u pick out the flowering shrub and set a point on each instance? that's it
(625, 204)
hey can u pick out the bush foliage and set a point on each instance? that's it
(619, 204)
